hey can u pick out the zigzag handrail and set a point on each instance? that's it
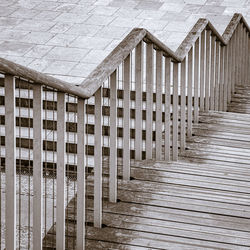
(95, 80)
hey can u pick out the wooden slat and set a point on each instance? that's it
(61, 171)
(221, 78)
(10, 148)
(202, 70)
(126, 119)
(183, 105)
(207, 73)
(190, 90)
(196, 79)
(158, 122)
(37, 168)
(149, 100)
(167, 108)
(113, 139)
(216, 81)
(81, 183)
(212, 72)
(98, 160)
(138, 101)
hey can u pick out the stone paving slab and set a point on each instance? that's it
(69, 38)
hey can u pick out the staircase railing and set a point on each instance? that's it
(134, 105)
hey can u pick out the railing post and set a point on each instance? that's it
(221, 77)
(10, 162)
(183, 105)
(167, 108)
(216, 82)
(207, 75)
(158, 121)
(81, 164)
(98, 160)
(126, 119)
(212, 76)
(138, 101)
(149, 100)
(37, 167)
(190, 91)
(196, 79)
(233, 72)
(175, 111)
(229, 70)
(202, 71)
(113, 138)
(61, 170)
(226, 80)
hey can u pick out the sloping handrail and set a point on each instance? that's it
(92, 83)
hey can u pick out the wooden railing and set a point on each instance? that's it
(139, 103)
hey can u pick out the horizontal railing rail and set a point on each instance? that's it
(139, 103)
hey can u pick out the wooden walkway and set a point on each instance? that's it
(200, 202)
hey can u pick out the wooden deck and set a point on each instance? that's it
(200, 202)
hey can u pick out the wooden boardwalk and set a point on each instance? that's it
(200, 202)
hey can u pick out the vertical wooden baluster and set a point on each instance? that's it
(226, 80)
(138, 101)
(248, 58)
(167, 108)
(221, 77)
(233, 73)
(175, 111)
(190, 90)
(10, 159)
(61, 170)
(238, 55)
(183, 105)
(229, 71)
(207, 75)
(202, 71)
(216, 82)
(196, 79)
(126, 119)
(37, 166)
(212, 76)
(149, 100)
(81, 164)
(113, 138)
(158, 122)
(98, 160)
(245, 56)
(241, 54)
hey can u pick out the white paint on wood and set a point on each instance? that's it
(216, 82)
(81, 183)
(190, 90)
(212, 73)
(113, 139)
(196, 79)
(60, 170)
(183, 104)
(207, 74)
(10, 147)
(221, 80)
(202, 71)
(37, 167)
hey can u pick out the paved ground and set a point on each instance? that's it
(68, 38)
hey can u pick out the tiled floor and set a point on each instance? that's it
(59, 37)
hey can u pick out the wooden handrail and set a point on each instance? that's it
(91, 84)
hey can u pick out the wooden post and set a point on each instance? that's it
(207, 74)
(216, 82)
(98, 160)
(138, 101)
(212, 77)
(10, 167)
(175, 111)
(149, 100)
(37, 167)
(190, 90)
(126, 119)
(202, 71)
(113, 139)
(183, 105)
(81, 183)
(61, 171)
(221, 77)
(226, 80)
(196, 79)
(158, 122)
(167, 108)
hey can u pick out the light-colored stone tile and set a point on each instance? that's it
(127, 12)
(63, 40)
(179, 26)
(47, 15)
(91, 42)
(104, 10)
(59, 67)
(191, 8)
(123, 3)
(195, 1)
(83, 69)
(15, 48)
(38, 51)
(173, 7)
(148, 5)
(84, 29)
(60, 27)
(211, 9)
(6, 11)
(151, 14)
(40, 64)
(71, 18)
(112, 32)
(95, 56)
(172, 16)
(98, 19)
(7, 22)
(82, 9)
(38, 25)
(69, 79)
(24, 13)
(112, 45)
(37, 37)
(25, 61)
(12, 35)
(67, 54)
(154, 24)
(126, 22)
(214, 2)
